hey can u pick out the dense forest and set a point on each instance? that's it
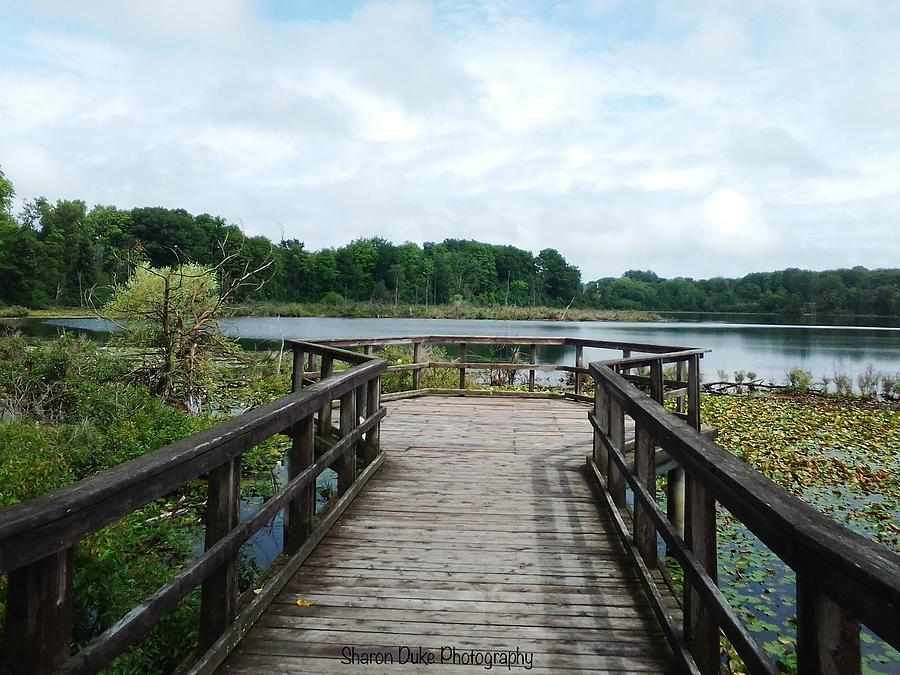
(66, 255)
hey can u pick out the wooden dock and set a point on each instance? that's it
(480, 533)
(524, 528)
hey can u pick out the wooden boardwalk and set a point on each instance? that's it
(479, 534)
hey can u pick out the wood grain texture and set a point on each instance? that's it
(480, 532)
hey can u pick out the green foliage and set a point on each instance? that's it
(13, 312)
(790, 291)
(32, 461)
(332, 299)
(68, 415)
(429, 378)
(799, 380)
(63, 254)
(173, 311)
(838, 455)
(52, 380)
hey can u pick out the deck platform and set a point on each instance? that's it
(479, 534)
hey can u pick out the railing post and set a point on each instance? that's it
(626, 354)
(679, 375)
(218, 600)
(645, 470)
(656, 381)
(325, 412)
(299, 513)
(615, 480)
(362, 412)
(38, 624)
(700, 628)
(373, 399)
(694, 391)
(579, 363)
(462, 371)
(347, 463)
(416, 356)
(533, 354)
(297, 369)
(675, 479)
(827, 636)
(601, 414)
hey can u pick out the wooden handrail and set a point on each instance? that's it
(657, 354)
(843, 578)
(37, 536)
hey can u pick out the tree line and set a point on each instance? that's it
(792, 291)
(64, 254)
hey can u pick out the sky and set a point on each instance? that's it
(689, 138)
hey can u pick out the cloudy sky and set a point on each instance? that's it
(691, 138)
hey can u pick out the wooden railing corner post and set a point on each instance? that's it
(38, 622)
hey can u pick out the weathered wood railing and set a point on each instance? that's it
(37, 537)
(843, 579)
(465, 344)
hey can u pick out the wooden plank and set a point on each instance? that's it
(213, 657)
(525, 559)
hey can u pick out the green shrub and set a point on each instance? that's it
(13, 312)
(799, 380)
(332, 299)
(32, 461)
(429, 378)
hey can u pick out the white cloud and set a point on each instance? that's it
(690, 138)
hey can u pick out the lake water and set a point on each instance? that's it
(769, 349)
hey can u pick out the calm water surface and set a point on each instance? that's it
(768, 349)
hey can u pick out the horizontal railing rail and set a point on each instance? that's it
(650, 353)
(843, 579)
(37, 536)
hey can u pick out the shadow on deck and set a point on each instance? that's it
(479, 534)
